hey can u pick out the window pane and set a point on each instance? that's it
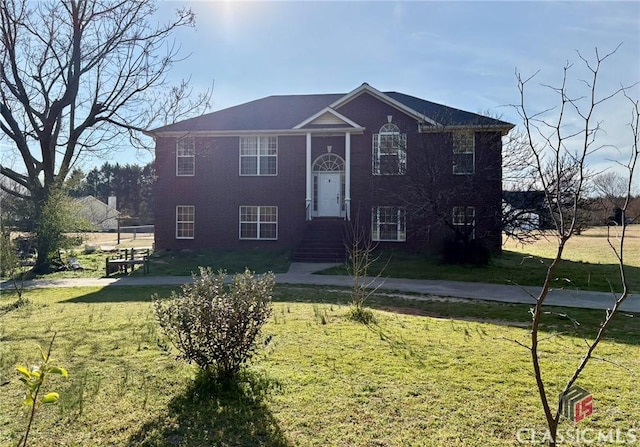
(249, 230)
(186, 165)
(268, 165)
(249, 165)
(268, 145)
(268, 231)
(248, 146)
(258, 155)
(185, 156)
(463, 152)
(268, 214)
(463, 163)
(388, 223)
(389, 151)
(258, 222)
(249, 213)
(463, 142)
(185, 225)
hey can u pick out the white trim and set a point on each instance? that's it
(186, 221)
(464, 211)
(258, 156)
(471, 152)
(309, 178)
(366, 88)
(279, 132)
(347, 175)
(258, 223)
(401, 214)
(332, 112)
(477, 128)
(180, 141)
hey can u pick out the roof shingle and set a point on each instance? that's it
(286, 111)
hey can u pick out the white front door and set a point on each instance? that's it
(329, 194)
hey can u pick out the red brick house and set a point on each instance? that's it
(286, 171)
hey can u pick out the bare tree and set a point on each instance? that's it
(76, 76)
(561, 154)
(612, 190)
(362, 255)
(463, 207)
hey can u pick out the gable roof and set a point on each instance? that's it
(292, 113)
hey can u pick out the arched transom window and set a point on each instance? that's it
(389, 151)
(328, 163)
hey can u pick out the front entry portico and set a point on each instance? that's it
(328, 185)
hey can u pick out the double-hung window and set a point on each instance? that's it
(185, 221)
(186, 157)
(388, 223)
(259, 222)
(463, 152)
(258, 155)
(464, 219)
(389, 151)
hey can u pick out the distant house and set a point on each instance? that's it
(525, 211)
(291, 172)
(104, 217)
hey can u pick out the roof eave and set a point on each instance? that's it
(503, 128)
(283, 132)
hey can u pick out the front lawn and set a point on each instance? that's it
(428, 373)
(588, 264)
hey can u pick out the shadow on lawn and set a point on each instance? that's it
(216, 413)
(625, 327)
(127, 294)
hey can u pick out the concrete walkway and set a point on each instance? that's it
(302, 273)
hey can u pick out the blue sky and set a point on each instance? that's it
(463, 54)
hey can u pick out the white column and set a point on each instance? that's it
(347, 174)
(309, 179)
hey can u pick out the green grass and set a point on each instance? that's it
(589, 264)
(181, 263)
(187, 262)
(428, 373)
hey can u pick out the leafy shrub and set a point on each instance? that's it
(456, 251)
(215, 326)
(361, 314)
(8, 255)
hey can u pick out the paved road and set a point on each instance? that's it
(301, 273)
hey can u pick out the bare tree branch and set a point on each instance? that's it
(561, 166)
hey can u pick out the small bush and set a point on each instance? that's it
(361, 314)
(473, 251)
(214, 326)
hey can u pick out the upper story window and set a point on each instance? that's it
(185, 221)
(388, 223)
(389, 151)
(258, 155)
(463, 152)
(464, 219)
(186, 157)
(259, 222)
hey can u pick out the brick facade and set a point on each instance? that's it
(217, 190)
